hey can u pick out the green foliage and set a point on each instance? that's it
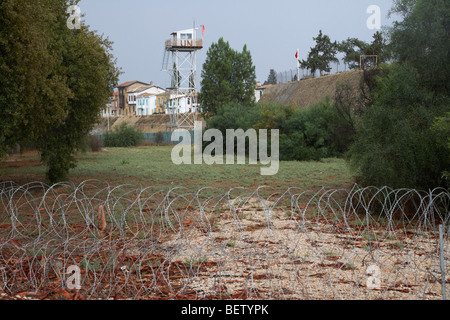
(33, 92)
(442, 127)
(272, 78)
(354, 48)
(305, 134)
(228, 76)
(311, 134)
(395, 145)
(233, 116)
(422, 40)
(402, 137)
(123, 136)
(159, 138)
(55, 83)
(321, 55)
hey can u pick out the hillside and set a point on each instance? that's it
(310, 91)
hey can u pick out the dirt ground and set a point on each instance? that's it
(234, 249)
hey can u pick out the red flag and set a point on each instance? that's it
(296, 55)
(203, 31)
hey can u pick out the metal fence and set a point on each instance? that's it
(97, 241)
(292, 74)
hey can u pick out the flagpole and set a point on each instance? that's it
(298, 65)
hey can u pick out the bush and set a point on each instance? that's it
(123, 137)
(233, 116)
(442, 128)
(310, 134)
(305, 134)
(396, 144)
(159, 138)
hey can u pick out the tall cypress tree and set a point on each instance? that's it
(272, 78)
(227, 76)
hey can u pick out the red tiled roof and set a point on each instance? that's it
(129, 83)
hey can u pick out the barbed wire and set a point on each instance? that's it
(130, 242)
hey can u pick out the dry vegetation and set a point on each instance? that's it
(311, 91)
(145, 244)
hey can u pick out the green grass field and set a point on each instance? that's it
(152, 166)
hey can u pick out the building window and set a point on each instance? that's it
(186, 36)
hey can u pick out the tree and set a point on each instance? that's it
(354, 48)
(272, 78)
(321, 55)
(402, 139)
(227, 76)
(422, 39)
(56, 81)
(395, 144)
(442, 127)
(378, 47)
(32, 91)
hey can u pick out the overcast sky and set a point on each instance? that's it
(272, 29)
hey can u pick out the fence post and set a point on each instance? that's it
(441, 245)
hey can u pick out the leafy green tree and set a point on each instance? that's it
(399, 142)
(55, 81)
(353, 48)
(272, 78)
(422, 39)
(442, 128)
(228, 76)
(305, 134)
(233, 116)
(32, 90)
(321, 55)
(394, 144)
(378, 47)
(89, 68)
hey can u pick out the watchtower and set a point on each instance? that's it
(180, 61)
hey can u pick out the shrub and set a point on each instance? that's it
(310, 134)
(442, 128)
(395, 144)
(305, 134)
(159, 138)
(233, 116)
(123, 136)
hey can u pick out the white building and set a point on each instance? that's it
(259, 91)
(145, 104)
(134, 93)
(183, 103)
